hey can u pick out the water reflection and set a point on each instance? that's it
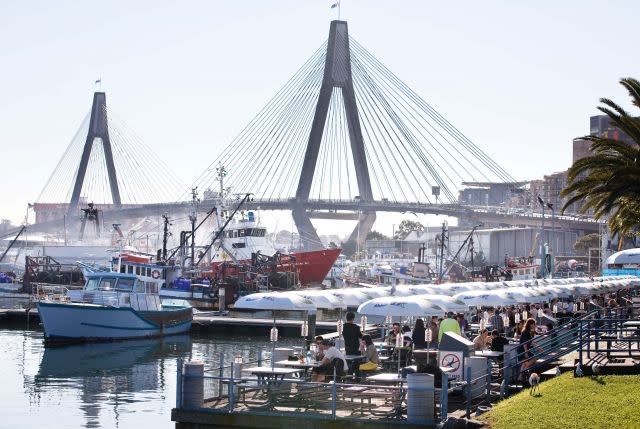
(106, 376)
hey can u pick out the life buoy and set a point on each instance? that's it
(155, 274)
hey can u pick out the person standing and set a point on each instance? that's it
(351, 334)
(418, 335)
(448, 325)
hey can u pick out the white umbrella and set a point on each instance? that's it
(351, 297)
(528, 295)
(392, 306)
(445, 302)
(485, 298)
(320, 298)
(557, 291)
(274, 301)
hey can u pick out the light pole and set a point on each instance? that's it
(553, 228)
(542, 241)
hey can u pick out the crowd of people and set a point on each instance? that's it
(494, 328)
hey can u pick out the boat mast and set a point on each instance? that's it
(193, 217)
(165, 235)
(221, 173)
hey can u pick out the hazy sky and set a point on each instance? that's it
(520, 78)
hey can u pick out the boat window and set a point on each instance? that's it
(107, 283)
(152, 287)
(148, 272)
(235, 234)
(123, 269)
(138, 286)
(258, 232)
(125, 284)
(241, 233)
(130, 269)
(92, 284)
(237, 245)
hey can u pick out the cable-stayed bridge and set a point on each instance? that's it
(343, 139)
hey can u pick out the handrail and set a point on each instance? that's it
(564, 338)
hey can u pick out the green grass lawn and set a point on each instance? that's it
(566, 402)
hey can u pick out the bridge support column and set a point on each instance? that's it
(365, 223)
(98, 128)
(308, 235)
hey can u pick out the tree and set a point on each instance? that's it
(405, 227)
(609, 180)
(375, 235)
(586, 242)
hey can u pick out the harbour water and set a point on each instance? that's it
(129, 384)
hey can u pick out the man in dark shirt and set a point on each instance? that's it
(351, 334)
(497, 341)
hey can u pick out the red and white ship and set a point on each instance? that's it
(243, 238)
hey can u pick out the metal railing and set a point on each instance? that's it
(225, 390)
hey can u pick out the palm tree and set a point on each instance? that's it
(608, 181)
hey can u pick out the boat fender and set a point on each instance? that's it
(155, 274)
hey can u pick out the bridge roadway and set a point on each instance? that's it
(335, 209)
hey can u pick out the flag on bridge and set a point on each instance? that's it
(336, 4)
(99, 81)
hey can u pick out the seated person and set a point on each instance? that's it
(391, 337)
(497, 341)
(371, 354)
(333, 358)
(318, 354)
(481, 341)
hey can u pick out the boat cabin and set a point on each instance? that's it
(118, 290)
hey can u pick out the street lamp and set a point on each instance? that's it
(542, 241)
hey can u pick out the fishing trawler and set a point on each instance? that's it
(111, 306)
(242, 240)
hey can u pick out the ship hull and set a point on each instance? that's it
(77, 322)
(313, 266)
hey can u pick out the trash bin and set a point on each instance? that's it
(478, 367)
(193, 385)
(420, 398)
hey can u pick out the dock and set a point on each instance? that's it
(211, 322)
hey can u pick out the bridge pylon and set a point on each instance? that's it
(98, 129)
(337, 74)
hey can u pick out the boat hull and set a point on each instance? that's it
(313, 266)
(77, 322)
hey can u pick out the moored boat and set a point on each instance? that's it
(111, 306)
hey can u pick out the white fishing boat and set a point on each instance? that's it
(111, 306)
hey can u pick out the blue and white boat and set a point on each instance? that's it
(111, 306)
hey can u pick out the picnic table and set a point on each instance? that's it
(268, 375)
(302, 366)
